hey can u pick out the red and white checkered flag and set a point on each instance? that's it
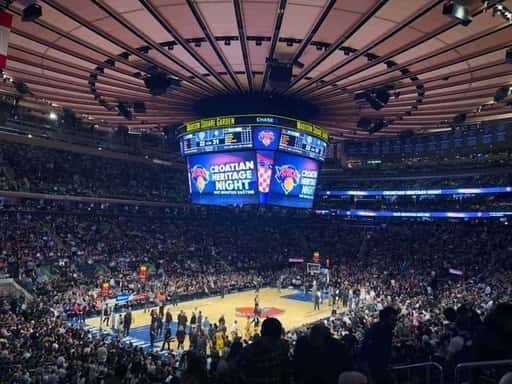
(5, 30)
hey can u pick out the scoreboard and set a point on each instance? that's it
(233, 133)
(216, 140)
(302, 143)
(253, 159)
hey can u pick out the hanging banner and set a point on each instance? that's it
(5, 30)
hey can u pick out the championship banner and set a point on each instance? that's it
(143, 273)
(105, 289)
(5, 30)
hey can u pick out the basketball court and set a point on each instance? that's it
(292, 307)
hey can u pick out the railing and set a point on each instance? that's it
(427, 366)
(478, 364)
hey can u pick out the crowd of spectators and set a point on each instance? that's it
(400, 292)
(433, 180)
(442, 279)
(26, 168)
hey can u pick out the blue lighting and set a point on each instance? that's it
(418, 192)
(368, 213)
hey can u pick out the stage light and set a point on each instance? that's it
(53, 116)
(508, 56)
(32, 12)
(280, 75)
(458, 12)
(371, 125)
(459, 119)
(377, 98)
(159, 83)
(124, 110)
(502, 93)
(139, 107)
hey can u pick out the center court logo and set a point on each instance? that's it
(265, 312)
(200, 177)
(288, 176)
(266, 137)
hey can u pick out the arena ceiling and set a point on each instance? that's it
(91, 55)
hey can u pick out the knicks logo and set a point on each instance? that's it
(265, 312)
(199, 176)
(288, 176)
(266, 137)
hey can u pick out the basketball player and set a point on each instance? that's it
(106, 315)
(219, 341)
(248, 333)
(234, 330)
(317, 301)
(256, 305)
(256, 324)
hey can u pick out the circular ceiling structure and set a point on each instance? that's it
(95, 57)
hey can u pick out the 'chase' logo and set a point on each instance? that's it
(266, 137)
(288, 176)
(199, 176)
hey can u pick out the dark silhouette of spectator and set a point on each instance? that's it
(319, 357)
(195, 372)
(350, 342)
(266, 359)
(376, 349)
(494, 341)
(127, 322)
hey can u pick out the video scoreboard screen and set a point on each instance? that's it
(302, 143)
(237, 160)
(216, 140)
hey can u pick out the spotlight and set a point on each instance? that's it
(377, 98)
(502, 93)
(53, 116)
(32, 12)
(280, 75)
(139, 107)
(159, 83)
(459, 119)
(508, 56)
(371, 125)
(458, 12)
(124, 110)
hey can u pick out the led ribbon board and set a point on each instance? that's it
(418, 192)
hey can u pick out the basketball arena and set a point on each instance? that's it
(255, 191)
